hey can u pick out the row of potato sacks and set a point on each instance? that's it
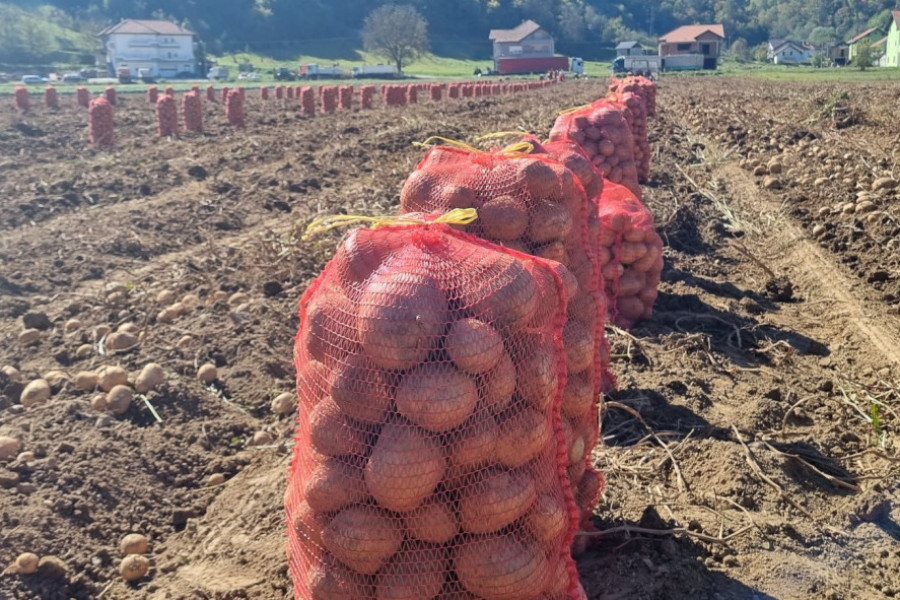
(448, 388)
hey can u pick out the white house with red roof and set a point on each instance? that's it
(162, 47)
(706, 40)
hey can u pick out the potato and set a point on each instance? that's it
(284, 403)
(578, 340)
(207, 373)
(652, 259)
(499, 384)
(331, 580)
(494, 500)
(612, 271)
(335, 483)
(631, 282)
(331, 433)
(134, 543)
(437, 396)
(508, 296)
(362, 253)
(330, 328)
(539, 177)
(552, 251)
(9, 447)
(559, 580)
(502, 567)
(630, 252)
(362, 390)
(589, 489)
(548, 518)
(569, 281)
(629, 308)
(404, 468)
(307, 523)
(419, 190)
(456, 196)
(133, 567)
(503, 218)
(165, 297)
(110, 377)
(118, 399)
(474, 345)
(150, 377)
(434, 521)
(523, 435)
(417, 571)
(363, 538)
(121, 340)
(578, 397)
(537, 371)
(85, 381)
(575, 471)
(648, 295)
(548, 221)
(583, 308)
(29, 336)
(517, 245)
(475, 444)
(26, 563)
(401, 316)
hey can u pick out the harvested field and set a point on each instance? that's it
(749, 451)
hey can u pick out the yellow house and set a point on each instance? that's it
(892, 50)
(867, 37)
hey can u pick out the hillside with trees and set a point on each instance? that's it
(585, 27)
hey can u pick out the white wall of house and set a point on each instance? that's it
(791, 55)
(538, 44)
(164, 55)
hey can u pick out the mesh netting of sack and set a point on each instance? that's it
(641, 86)
(637, 120)
(603, 132)
(631, 251)
(430, 452)
(535, 205)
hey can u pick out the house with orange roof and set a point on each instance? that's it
(866, 38)
(707, 41)
(892, 49)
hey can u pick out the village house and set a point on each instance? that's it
(707, 40)
(867, 37)
(892, 48)
(630, 48)
(163, 48)
(839, 55)
(789, 52)
(528, 40)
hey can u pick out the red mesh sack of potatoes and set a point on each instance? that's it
(110, 95)
(636, 115)
(234, 108)
(210, 93)
(428, 460)
(100, 123)
(192, 109)
(535, 205)
(82, 96)
(632, 252)
(152, 94)
(329, 95)
(367, 96)
(641, 86)
(166, 116)
(22, 98)
(51, 98)
(603, 132)
(307, 97)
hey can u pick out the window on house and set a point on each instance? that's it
(683, 47)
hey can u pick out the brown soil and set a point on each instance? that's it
(744, 421)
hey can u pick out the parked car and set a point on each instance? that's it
(33, 79)
(72, 78)
(254, 76)
(4, 78)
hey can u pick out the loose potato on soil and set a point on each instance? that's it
(494, 500)
(134, 543)
(401, 317)
(404, 468)
(150, 377)
(363, 538)
(36, 392)
(207, 373)
(9, 447)
(112, 376)
(26, 563)
(437, 396)
(118, 399)
(85, 381)
(133, 567)
(502, 567)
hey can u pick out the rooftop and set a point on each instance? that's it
(138, 26)
(690, 33)
(517, 34)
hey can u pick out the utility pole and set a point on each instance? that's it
(651, 24)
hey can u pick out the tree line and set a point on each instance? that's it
(232, 25)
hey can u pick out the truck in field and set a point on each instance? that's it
(374, 72)
(525, 66)
(123, 74)
(683, 62)
(217, 73)
(314, 71)
(637, 64)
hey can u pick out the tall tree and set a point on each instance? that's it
(396, 32)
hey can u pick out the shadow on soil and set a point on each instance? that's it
(655, 568)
